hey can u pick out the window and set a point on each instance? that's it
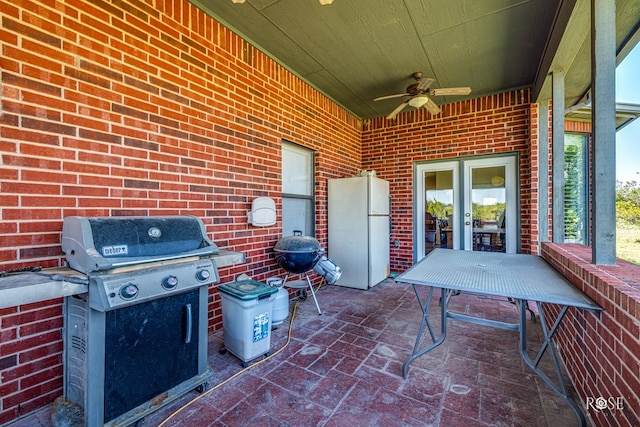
(576, 188)
(297, 190)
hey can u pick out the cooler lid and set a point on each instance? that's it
(248, 289)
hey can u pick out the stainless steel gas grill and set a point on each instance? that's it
(138, 339)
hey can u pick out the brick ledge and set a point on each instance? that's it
(620, 282)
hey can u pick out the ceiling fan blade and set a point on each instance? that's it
(424, 84)
(391, 96)
(395, 112)
(431, 106)
(450, 91)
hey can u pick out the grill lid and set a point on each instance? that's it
(102, 243)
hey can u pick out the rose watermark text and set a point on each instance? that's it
(601, 403)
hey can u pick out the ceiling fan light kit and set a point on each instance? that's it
(497, 181)
(418, 101)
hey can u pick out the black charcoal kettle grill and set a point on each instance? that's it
(298, 254)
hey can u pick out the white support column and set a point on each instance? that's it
(557, 145)
(603, 174)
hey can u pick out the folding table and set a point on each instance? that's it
(519, 277)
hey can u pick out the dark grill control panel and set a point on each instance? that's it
(114, 289)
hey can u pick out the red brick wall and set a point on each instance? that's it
(534, 182)
(30, 357)
(491, 125)
(601, 352)
(577, 127)
(139, 108)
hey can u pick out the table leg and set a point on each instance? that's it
(560, 387)
(526, 304)
(425, 321)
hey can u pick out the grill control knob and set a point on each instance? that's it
(203, 275)
(129, 291)
(169, 282)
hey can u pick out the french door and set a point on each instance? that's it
(468, 204)
(490, 204)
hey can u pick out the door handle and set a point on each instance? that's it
(188, 325)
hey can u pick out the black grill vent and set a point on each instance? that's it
(78, 343)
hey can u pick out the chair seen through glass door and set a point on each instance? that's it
(439, 224)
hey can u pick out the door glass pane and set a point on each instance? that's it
(438, 227)
(576, 189)
(488, 198)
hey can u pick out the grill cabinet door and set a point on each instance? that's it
(147, 350)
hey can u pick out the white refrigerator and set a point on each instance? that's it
(358, 220)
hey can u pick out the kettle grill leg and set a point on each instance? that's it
(313, 294)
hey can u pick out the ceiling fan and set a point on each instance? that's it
(417, 93)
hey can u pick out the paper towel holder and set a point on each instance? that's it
(263, 212)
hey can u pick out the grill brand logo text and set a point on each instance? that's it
(115, 250)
